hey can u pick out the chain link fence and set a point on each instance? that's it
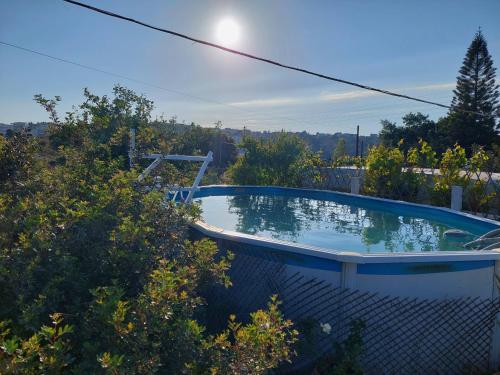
(402, 335)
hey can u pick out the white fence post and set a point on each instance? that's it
(355, 182)
(456, 197)
(348, 278)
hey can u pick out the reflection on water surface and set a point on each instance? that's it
(325, 224)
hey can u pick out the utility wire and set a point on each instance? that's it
(265, 60)
(108, 73)
(142, 82)
(278, 117)
(308, 120)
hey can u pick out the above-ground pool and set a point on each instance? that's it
(353, 241)
(336, 222)
(334, 257)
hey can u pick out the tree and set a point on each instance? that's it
(96, 272)
(283, 160)
(416, 127)
(339, 150)
(476, 91)
(198, 140)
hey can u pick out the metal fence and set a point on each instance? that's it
(402, 335)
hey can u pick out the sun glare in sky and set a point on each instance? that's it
(228, 32)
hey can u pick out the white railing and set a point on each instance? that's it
(176, 191)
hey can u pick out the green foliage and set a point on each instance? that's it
(390, 173)
(416, 126)
(422, 156)
(252, 348)
(283, 161)
(199, 140)
(476, 91)
(345, 358)
(16, 159)
(452, 162)
(45, 352)
(80, 236)
(456, 169)
(340, 151)
(384, 168)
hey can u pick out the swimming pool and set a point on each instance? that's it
(353, 241)
(384, 261)
(335, 223)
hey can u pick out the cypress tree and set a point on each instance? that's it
(476, 91)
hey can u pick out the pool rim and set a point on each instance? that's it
(339, 255)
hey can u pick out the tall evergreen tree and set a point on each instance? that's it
(476, 91)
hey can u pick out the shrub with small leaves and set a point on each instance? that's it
(252, 348)
(81, 236)
(46, 352)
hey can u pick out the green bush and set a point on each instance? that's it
(452, 162)
(344, 360)
(457, 169)
(96, 273)
(391, 174)
(282, 161)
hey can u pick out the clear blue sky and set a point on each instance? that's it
(414, 47)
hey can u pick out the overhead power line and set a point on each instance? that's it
(304, 121)
(257, 116)
(115, 74)
(141, 82)
(262, 59)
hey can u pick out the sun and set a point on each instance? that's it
(227, 32)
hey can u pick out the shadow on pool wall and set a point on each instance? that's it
(424, 312)
(402, 335)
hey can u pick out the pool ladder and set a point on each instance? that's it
(487, 241)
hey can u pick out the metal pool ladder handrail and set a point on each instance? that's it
(158, 158)
(487, 241)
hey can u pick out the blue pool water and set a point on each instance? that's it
(341, 223)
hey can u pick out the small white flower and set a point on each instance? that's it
(326, 328)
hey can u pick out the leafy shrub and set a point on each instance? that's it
(452, 162)
(384, 171)
(345, 358)
(283, 161)
(255, 347)
(477, 197)
(390, 173)
(46, 351)
(457, 169)
(79, 236)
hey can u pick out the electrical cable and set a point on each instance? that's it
(265, 60)
(140, 82)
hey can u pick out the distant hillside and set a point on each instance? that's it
(323, 142)
(37, 128)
